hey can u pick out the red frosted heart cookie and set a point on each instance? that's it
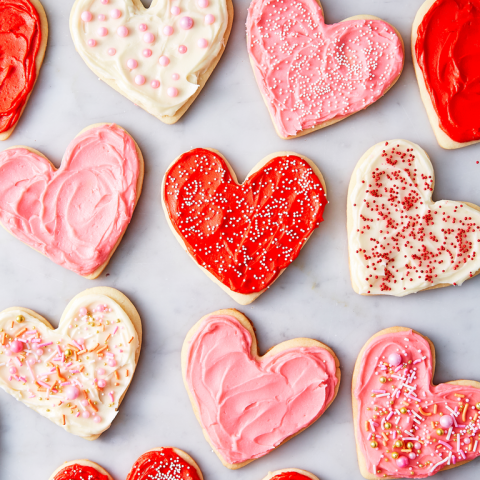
(78, 214)
(291, 474)
(23, 40)
(400, 241)
(243, 236)
(169, 463)
(248, 405)
(405, 426)
(311, 74)
(446, 55)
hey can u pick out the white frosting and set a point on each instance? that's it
(408, 242)
(188, 66)
(123, 344)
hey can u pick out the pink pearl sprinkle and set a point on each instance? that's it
(202, 43)
(149, 37)
(86, 414)
(155, 84)
(132, 63)
(122, 31)
(412, 456)
(97, 419)
(112, 362)
(102, 32)
(101, 371)
(87, 16)
(142, 27)
(147, 53)
(203, 3)
(71, 392)
(105, 2)
(418, 445)
(394, 359)
(101, 17)
(209, 19)
(402, 461)
(446, 421)
(111, 52)
(182, 49)
(175, 10)
(186, 23)
(92, 43)
(102, 383)
(80, 341)
(16, 346)
(13, 370)
(83, 311)
(168, 30)
(163, 61)
(39, 352)
(84, 403)
(467, 441)
(172, 92)
(31, 361)
(175, 76)
(115, 13)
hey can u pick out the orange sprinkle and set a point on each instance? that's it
(435, 409)
(464, 413)
(100, 350)
(117, 376)
(109, 335)
(384, 436)
(81, 352)
(59, 374)
(21, 332)
(92, 405)
(126, 374)
(81, 368)
(94, 348)
(406, 450)
(475, 417)
(426, 414)
(63, 417)
(459, 395)
(130, 341)
(433, 425)
(71, 347)
(4, 338)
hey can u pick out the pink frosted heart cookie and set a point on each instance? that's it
(78, 214)
(405, 426)
(311, 74)
(158, 57)
(248, 405)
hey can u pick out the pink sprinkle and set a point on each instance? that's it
(92, 43)
(147, 53)
(172, 92)
(13, 370)
(186, 23)
(418, 360)
(168, 30)
(43, 384)
(97, 419)
(175, 10)
(82, 312)
(86, 414)
(111, 396)
(163, 61)
(87, 16)
(112, 362)
(175, 76)
(116, 328)
(182, 49)
(445, 444)
(102, 32)
(102, 17)
(154, 84)
(203, 3)
(209, 19)
(149, 37)
(102, 383)
(111, 52)
(105, 2)
(132, 63)
(378, 391)
(115, 13)
(140, 80)
(142, 27)
(202, 43)
(122, 31)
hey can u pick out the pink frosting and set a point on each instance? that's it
(310, 72)
(248, 407)
(76, 214)
(409, 385)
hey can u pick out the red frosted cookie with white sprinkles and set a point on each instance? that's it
(243, 236)
(311, 74)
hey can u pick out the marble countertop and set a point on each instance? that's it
(313, 298)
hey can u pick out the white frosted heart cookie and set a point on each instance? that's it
(400, 241)
(76, 375)
(158, 57)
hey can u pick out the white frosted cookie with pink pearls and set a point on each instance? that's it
(158, 57)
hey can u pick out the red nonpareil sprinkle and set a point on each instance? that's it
(245, 234)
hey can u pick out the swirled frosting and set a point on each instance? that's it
(248, 405)
(76, 214)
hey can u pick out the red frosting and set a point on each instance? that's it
(20, 36)
(245, 234)
(80, 472)
(164, 463)
(448, 53)
(290, 476)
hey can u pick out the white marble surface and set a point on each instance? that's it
(313, 298)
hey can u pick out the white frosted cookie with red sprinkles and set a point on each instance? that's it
(311, 74)
(401, 241)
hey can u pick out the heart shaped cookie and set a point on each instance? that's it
(78, 214)
(248, 405)
(291, 474)
(76, 375)
(312, 75)
(23, 41)
(405, 426)
(158, 57)
(170, 463)
(400, 241)
(446, 56)
(243, 236)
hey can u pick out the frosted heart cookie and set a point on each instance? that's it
(405, 426)
(291, 474)
(167, 462)
(23, 41)
(78, 214)
(76, 375)
(400, 241)
(248, 405)
(158, 57)
(243, 236)
(446, 56)
(312, 75)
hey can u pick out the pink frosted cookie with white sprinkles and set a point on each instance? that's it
(312, 75)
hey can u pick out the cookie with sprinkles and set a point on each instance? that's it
(243, 236)
(78, 374)
(291, 474)
(157, 464)
(405, 426)
(400, 241)
(247, 404)
(311, 74)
